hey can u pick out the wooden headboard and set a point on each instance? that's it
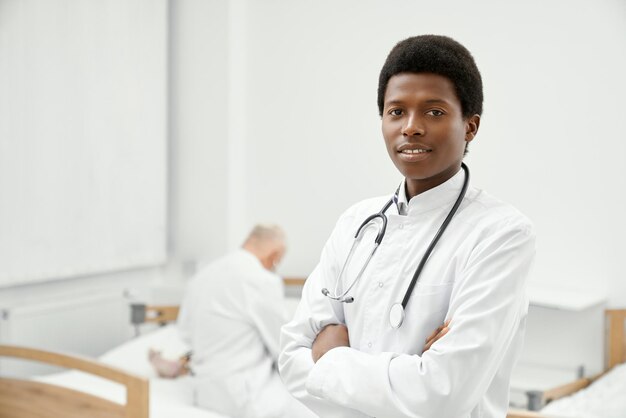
(27, 398)
(141, 313)
(616, 338)
(294, 281)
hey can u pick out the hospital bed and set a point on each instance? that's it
(119, 384)
(600, 396)
(28, 398)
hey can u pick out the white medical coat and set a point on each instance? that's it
(231, 317)
(476, 277)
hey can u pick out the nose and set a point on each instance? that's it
(413, 126)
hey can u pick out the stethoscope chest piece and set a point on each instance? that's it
(396, 315)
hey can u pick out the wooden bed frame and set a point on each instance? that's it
(32, 399)
(615, 354)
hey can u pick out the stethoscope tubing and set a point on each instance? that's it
(436, 238)
(379, 238)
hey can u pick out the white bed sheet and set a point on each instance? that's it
(169, 398)
(605, 398)
(132, 356)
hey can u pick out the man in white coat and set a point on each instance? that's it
(351, 350)
(231, 317)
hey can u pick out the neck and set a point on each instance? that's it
(418, 186)
(263, 254)
(253, 250)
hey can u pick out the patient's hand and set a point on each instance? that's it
(166, 368)
(437, 334)
(330, 336)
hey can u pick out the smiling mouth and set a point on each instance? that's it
(411, 154)
(414, 151)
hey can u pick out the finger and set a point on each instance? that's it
(437, 334)
(431, 341)
(438, 330)
(443, 332)
(434, 333)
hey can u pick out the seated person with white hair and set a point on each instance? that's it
(231, 317)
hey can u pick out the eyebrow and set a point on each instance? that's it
(429, 101)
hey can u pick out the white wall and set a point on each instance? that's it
(550, 140)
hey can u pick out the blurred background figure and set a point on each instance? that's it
(231, 317)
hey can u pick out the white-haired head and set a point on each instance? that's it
(267, 243)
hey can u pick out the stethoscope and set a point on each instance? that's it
(396, 313)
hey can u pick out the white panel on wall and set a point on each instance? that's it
(199, 192)
(82, 137)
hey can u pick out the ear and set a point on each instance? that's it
(471, 127)
(277, 256)
(267, 261)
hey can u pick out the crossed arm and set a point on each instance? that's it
(333, 336)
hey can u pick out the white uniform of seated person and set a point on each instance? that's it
(231, 317)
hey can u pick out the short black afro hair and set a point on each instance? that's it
(438, 55)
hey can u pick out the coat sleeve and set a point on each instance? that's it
(487, 304)
(314, 312)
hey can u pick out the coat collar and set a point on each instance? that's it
(437, 197)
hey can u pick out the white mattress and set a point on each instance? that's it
(169, 398)
(605, 398)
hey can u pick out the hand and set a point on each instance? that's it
(168, 368)
(437, 334)
(330, 336)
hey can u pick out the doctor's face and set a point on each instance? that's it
(424, 129)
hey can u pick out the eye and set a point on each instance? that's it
(395, 112)
(435, 112)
